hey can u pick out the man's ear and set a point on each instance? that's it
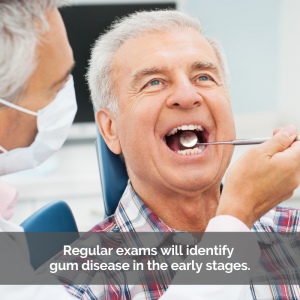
(108, 128)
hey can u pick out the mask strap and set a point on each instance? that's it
(2, 149)
(18, 108)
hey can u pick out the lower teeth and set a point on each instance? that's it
(193, 151)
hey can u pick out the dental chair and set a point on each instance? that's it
(48, 230)
(113, 175)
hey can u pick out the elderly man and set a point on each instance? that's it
(152, 77)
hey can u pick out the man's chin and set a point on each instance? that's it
(191, 184)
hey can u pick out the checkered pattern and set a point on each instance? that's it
(132, 215)
(285, 220)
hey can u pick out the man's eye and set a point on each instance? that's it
(203, 78)
(154, 82)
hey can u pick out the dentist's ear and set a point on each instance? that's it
(108, 128)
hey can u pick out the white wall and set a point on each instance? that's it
(289, 73)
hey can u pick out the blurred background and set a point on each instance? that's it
(262, 43)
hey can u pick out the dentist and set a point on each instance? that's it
(37, 108)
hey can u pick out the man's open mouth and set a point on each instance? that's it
(172, 139)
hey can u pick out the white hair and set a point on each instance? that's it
(19, 34)
(99, 75)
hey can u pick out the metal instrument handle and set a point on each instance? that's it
(254, 141)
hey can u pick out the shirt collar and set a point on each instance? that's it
(133, 215)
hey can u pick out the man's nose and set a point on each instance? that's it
(184, 95)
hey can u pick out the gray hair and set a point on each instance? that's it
(99, 75)
(19, 35)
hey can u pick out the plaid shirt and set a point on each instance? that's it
(132, 215)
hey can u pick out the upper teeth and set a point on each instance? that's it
(185, 127)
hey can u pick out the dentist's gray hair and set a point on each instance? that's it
(19, 34)
(100, 71)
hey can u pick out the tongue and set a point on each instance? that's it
(173, 141)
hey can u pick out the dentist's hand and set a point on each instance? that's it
(263, 177)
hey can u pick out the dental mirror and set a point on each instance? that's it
(189, 139)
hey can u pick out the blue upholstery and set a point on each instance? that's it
(53, 217)
(113, 175)
(57, 220)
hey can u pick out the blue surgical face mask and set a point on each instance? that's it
(53, 122)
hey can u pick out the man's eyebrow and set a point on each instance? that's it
(138, 75)
(64, 77)
(205, 65)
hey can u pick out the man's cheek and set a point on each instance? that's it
(145, 124)
(134, 138)
(222, 115)
(217, 96)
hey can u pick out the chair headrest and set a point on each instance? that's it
(113, 175)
